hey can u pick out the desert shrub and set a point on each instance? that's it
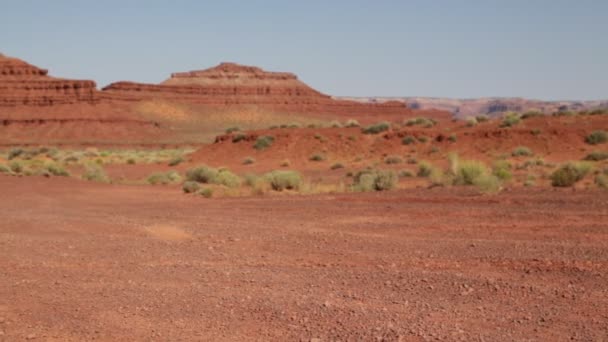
(596, 156)
(510, 119)
(263, 142)
(202, 174)
(597, 137)
(408, 140)
(482, 118)
(335, 124)
(423, 139)
(521, 151)
(176, 161)
(467, 172)
(568, 174)
(16, 167)
(317, 157)
(232, 129)
(601, 181)
(487, 183)
(14, 153)
(337, 166)
(471, 122)
(424, 122)
(406, 174)
(377, 128)
(285, 163)
(535, 132)
(393, 160)
(281, 180)
(351, 123)
(352, 138)
(190, 187)
(227, 178)
(425, 169)
(164, 178)
(412, 161)
(238, 137)
(434, 149)
(502, 170)
(57, 170)
(599, 111)
(374, 180)
(206, 192)
(531, 114)
(95, 173)
(452, 138)
(130, 161)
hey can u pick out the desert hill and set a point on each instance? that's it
(491, 106)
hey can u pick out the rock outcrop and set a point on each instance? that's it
(230, 84)
(24, 84)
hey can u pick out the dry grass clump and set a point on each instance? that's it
(208, 175)
(377, 128)
(510, 119)
(522, 151)
(393, 160)
(190, 187)
(374, 180)
(597, 137)
(164, 178)
(421, 121)
(95, 173)
(280, 180)
(596, 156)
(263, 142)
(408, 140)
(569, 174)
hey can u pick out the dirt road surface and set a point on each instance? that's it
(85, 261)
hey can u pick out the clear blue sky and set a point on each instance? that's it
(547, 49)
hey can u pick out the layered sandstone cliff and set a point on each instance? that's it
(24, 84)
(230, 84)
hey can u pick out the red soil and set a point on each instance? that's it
(85, 261)
(555, 139)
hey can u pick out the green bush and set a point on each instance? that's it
(164, 178)
(16, 167)
(425, 169)
(14, 153)
(190, 187)
(263, 142)
(317, 157)
(521, 151)
(281, 180)
(502, 170)
(202, 174)
(531, 114)
(482, 118)
(468, 171)
(377, 128)
(424, 122)
(57, 170)
(238, 137)
(601, 181)
(471, 122)
(374, 180)
(597, 137)
(406, 174)
(248, 161)
(393, 160)
(510, 120)
(95, 173)
(206, 192)
(568, 174)
(487, 183)
(597, 156)
(227, 178)
(176, 161)
(352, 123)
(408, 140)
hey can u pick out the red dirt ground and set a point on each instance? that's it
(86, 261)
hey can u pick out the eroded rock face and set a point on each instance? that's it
(24, 84)
(233, 84)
